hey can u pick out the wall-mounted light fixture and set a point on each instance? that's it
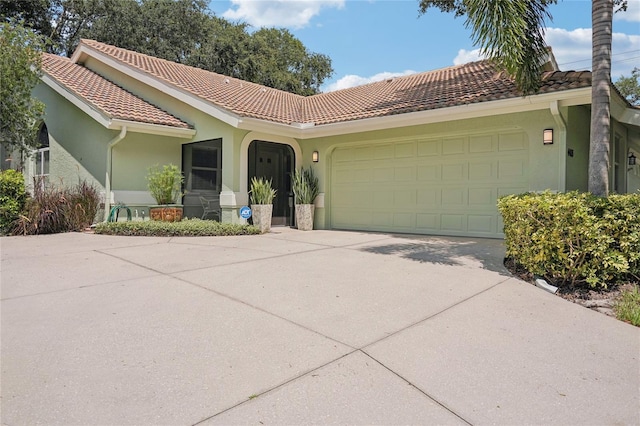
(632, 159)
(547, 136)
(315, 156)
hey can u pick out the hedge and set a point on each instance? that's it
(574, 238)
(186, 227)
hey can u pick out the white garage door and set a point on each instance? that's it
(446, 186)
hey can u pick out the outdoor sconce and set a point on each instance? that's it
(547, 136)
(315, 156)
(632, 159)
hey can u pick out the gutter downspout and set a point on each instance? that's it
(107, 181)
(562, 148)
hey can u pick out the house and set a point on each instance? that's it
(426, 153)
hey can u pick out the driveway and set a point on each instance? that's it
(292, 327)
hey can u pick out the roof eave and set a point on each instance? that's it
(109, 122)
(571, 97)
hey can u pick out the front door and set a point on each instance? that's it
(274, 161)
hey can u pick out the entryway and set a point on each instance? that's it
(274, 161)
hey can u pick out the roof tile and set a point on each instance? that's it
(104, 95)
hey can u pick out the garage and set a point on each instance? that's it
(440, 186)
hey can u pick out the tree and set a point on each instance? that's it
(504, 28)
(20, 61)
(183, 31)
(629, 87)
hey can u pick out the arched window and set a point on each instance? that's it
(42, 154)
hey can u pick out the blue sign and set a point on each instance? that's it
(245, 212)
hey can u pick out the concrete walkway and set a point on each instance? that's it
(320, 327)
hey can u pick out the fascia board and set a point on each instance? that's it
(461, 112)
(171, 90)
(152, 129)
(76, 100)
(630, 116)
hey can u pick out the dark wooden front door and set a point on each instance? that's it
(274, 161)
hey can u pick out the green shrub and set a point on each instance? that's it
(12, 198)
(53, 209)
(574, 238)
(261, 191)
(165, 184)
(186, 227)
(305, 186)
(627, 308)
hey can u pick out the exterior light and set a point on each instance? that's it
(547, 136)
(315, 156)
(632, 159)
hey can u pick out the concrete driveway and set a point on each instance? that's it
(320, 327)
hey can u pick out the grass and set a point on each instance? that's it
(628, 306)
(186, 227)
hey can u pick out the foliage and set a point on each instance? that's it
(165, 184)
(574, 238)
(627, 308)
(54, 209)
(186, 227)
(272, 57)
(305, 186)
(20, 62)
(511, 33)
(261, 191)
(629, 87)
(12, 198)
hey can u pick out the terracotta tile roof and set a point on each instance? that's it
(238, 96)
(105, 96)
(453, 86)
(459, 85)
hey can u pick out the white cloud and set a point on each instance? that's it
(278, 13)
(352, 80)
(632, 14)
(466, 56)
(572, 50)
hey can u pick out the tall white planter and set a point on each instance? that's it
(261, 214)
(304, 216)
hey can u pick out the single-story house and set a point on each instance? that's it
(426, 153)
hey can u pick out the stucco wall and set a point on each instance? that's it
(578, 122)
(78, 144)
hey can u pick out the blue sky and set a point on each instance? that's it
(369, 40)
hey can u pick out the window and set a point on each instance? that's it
(42, 154)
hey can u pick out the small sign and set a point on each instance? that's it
(245, 212)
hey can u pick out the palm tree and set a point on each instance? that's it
(601, 22)
(511, 32)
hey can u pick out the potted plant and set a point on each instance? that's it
(305, 190)
(261, 195)
(165, 185)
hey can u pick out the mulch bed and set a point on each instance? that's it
(599, 300)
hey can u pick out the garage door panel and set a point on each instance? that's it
(481, 144)
(453, 222)
(430, 172)
(405, 174)
(446, 186)
(405, 150)
(482, 197)
(404, 220)
(429, 148)
(482, 171)
(454, 146)
(481, 223)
